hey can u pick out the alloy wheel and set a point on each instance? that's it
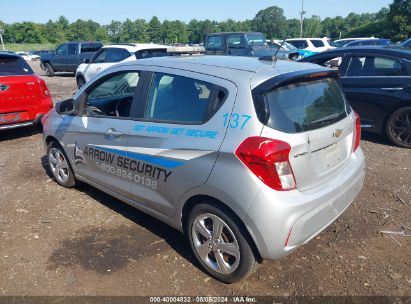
(401, 128)
(215, 243)
(58, 165)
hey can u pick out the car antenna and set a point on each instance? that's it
(281, 45)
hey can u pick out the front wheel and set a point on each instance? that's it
(48, 69)
(59, 166)
(398, 127)
(219, 243)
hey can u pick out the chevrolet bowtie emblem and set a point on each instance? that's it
(337, 133)
(3, 87)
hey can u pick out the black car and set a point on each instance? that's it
(375, 41)
(377, 84)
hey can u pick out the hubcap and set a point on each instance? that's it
(401, 128)
(215, 243)
(58, 165)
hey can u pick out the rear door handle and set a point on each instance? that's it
(392, 89)
(112, 134)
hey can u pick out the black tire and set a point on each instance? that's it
(48, 69)
(80, 81)
(68, 182)
(247, 262)
(398, 127)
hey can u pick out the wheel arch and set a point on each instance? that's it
(201, 198)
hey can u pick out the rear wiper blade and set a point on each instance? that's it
(325, 119)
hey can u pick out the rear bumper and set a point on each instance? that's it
(279, 222)
(17, 125)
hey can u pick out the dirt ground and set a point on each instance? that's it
(56, 241)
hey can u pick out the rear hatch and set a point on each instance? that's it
(19, 87)
(311, 114)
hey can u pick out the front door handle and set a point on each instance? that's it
(112, 134)
(392, 89)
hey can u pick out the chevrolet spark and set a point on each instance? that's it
(249, 158)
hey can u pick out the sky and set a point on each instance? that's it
(103, 11)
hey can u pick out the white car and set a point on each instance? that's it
(28, 56)
(109, 55)
(312, 44)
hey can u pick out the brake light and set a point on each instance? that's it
(268, 160)
(357, 132)
(43, 87)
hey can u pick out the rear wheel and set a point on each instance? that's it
(80, 81)
(59, 166)
(48, 69)
(398, 127)
(219, 243)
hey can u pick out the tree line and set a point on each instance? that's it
(390, 22)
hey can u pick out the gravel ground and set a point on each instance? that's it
(56, 241)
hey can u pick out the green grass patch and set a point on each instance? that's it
(15, 47)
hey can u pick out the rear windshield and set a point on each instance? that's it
(305, 106)
(14, 66)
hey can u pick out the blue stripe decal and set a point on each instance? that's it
(167, 163)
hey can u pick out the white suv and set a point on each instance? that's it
(112, 54)
(312, 44)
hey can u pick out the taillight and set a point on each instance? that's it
(357, 132)
(268, 160)
(43, 87)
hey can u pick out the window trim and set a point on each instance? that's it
(143, 104)
(83, 98)
(392, 57)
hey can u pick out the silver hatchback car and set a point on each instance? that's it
(249, 158)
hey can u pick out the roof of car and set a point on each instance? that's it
(136, 47)
(9, 54)
(313, 38)
(394, 51)
(232, 33)
(223, 66)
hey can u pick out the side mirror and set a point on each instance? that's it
(87, 60)
(66, 107)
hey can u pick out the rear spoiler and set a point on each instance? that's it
(170, 51)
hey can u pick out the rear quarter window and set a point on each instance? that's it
(305, 106)
(317, 43)
(14, 66)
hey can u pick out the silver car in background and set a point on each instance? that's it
(249, 158)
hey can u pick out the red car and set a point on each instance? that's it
(24, 96)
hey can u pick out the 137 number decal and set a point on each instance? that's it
(236, 120)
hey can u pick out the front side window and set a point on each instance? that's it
(62, 49)
(375, 66)
(299, 44)
(117, 55)
(113, 97)
(184, 100)
(305, 106)
(317, 43)
(101, 57)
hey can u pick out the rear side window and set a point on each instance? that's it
(306, 106)
(10, 65)
(214, 42)
(72, 49)
(90, 48)
(183, 100)
(376, 66)
(317, 43)
(149, 53)
(236, 42)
